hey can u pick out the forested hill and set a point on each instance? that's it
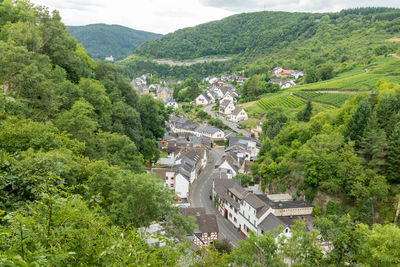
(264, 32)
(259, 41)
(102, 40)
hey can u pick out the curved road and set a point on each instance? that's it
(230, 124)
(199, 197)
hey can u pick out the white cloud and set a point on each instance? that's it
(164, 16)
(297, 5)
(160, 16)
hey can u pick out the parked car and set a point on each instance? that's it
(239, 126)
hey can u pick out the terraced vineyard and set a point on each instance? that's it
(277, 100)
(329, 98)
(361, 79)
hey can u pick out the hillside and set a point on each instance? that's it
(102, 40)
(259, 41)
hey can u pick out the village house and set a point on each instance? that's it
(238, 114)
(226, 107)
(283, 83)
(211, 132)
(210, 79)
(241, 80)
(170, 102)
(140, 85)
(203, 100)
(258, 212)
(246, 145)
(185, 168)
(109, 59)
(297, 74)
(232, 163)
(229, 96)
(207, 230)
(258, 130)
(163, 93)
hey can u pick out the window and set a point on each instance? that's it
(171, 185)
(234, 219)
(172, 178)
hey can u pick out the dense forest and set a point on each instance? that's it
(75, 140)
(102, 40)
(258, 42)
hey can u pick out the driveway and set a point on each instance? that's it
(230, 124)
(199, 197)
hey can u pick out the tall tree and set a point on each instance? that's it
(355, 127)
(393, 157)
(305, 114)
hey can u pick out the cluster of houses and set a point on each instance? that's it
(181, 168)
(226, 96)
(159, 91)
(180, 124)
(248, 210)
(187, 146)
(226, 78)
(283, 73)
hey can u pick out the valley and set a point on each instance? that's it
(267, 138)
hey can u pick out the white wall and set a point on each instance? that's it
(181, 186)
(226, 166)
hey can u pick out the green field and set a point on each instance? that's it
(335, 99)
(359, 79)
(285, 101)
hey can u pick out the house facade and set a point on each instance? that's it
(170, 102)
(207, 230)
(257, 212)
(226, 107)
(163, 93)
(203, 100)
(238, 114)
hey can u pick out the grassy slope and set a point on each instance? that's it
(359, 79)
(101, 40)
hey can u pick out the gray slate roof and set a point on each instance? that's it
(270, 223)
(207, 223)
(285, 204)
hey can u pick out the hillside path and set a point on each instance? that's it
(315, 102)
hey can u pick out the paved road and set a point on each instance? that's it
(230, 124)
(199, 197)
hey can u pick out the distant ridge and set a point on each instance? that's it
(102, 40)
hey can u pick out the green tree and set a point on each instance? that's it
(305, 114)
(355, 127)
(302, 247)
(245, 179)
(393, 159)
(65, 231)
(150, 152)
(79, 121)
(152, 114)
(256, 251)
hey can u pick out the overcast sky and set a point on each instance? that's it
(164, 16)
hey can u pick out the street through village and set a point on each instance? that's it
(233, 126)
(200, 192)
